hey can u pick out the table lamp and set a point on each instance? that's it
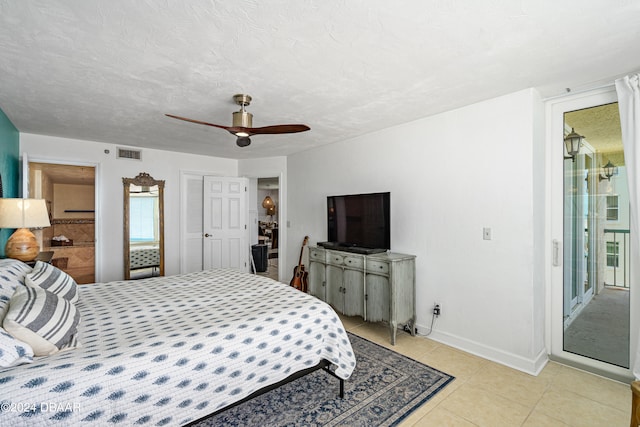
(23, 214)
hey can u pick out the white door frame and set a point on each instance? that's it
(554, 149)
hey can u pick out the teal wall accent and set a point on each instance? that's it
(9, 166)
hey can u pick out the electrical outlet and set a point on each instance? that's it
(437, 309)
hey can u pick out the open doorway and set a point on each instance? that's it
(69, 192)
(268, 203)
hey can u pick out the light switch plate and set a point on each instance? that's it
(486, 233)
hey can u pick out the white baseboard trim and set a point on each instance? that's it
(531, 366)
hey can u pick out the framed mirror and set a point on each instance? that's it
(143, 227)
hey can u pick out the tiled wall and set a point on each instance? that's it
(77, 260)
(82, 232)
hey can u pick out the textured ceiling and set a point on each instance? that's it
(600, 127)
(65, 174)
(109, 70)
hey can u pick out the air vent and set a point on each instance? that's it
(128, 153)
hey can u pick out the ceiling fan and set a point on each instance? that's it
(241, 126)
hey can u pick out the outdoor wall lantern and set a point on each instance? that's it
(609, 170)
(572, 142)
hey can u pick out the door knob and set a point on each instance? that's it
(207, 235)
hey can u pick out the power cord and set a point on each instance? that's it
(435, 313)
(433, 320)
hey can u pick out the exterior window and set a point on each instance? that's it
(612, 208)
(142, 219)
(613, 249)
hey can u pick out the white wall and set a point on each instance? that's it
(449, 176)
(164, 165)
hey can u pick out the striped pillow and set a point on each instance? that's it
(43, 320)
(48, 277)
(12, 275)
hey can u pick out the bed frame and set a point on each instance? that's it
(323, 364)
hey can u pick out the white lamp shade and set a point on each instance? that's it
(23, 213)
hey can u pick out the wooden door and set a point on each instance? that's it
(224, 223)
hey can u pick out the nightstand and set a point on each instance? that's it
(45, 256)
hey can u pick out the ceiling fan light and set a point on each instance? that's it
(243, 141)
(242, 126)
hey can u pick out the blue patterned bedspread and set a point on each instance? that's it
(170, 350)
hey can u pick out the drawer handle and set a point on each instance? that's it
(380, 267)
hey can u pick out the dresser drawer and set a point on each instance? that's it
(335, 259)
(354, 262)
(378, 267)
(316, 255)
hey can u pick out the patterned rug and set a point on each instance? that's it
(382, 391)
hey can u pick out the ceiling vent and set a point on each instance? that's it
(128, 153)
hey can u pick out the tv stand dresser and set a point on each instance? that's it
(378, 287)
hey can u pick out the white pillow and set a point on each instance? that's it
(12, 351)
(48, 277)
(43, 320)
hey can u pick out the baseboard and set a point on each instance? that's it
(531, 366)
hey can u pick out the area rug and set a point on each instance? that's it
(383, 390)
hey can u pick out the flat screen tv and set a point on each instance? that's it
(359, 221)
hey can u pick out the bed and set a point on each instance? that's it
(171, 350)
(144, 258)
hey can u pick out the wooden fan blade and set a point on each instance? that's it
(198, 122)
(275, 129)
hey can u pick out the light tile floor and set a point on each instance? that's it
(272, 269)
(485, 393)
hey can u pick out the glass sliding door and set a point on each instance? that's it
(590, 325)
(578, 234)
